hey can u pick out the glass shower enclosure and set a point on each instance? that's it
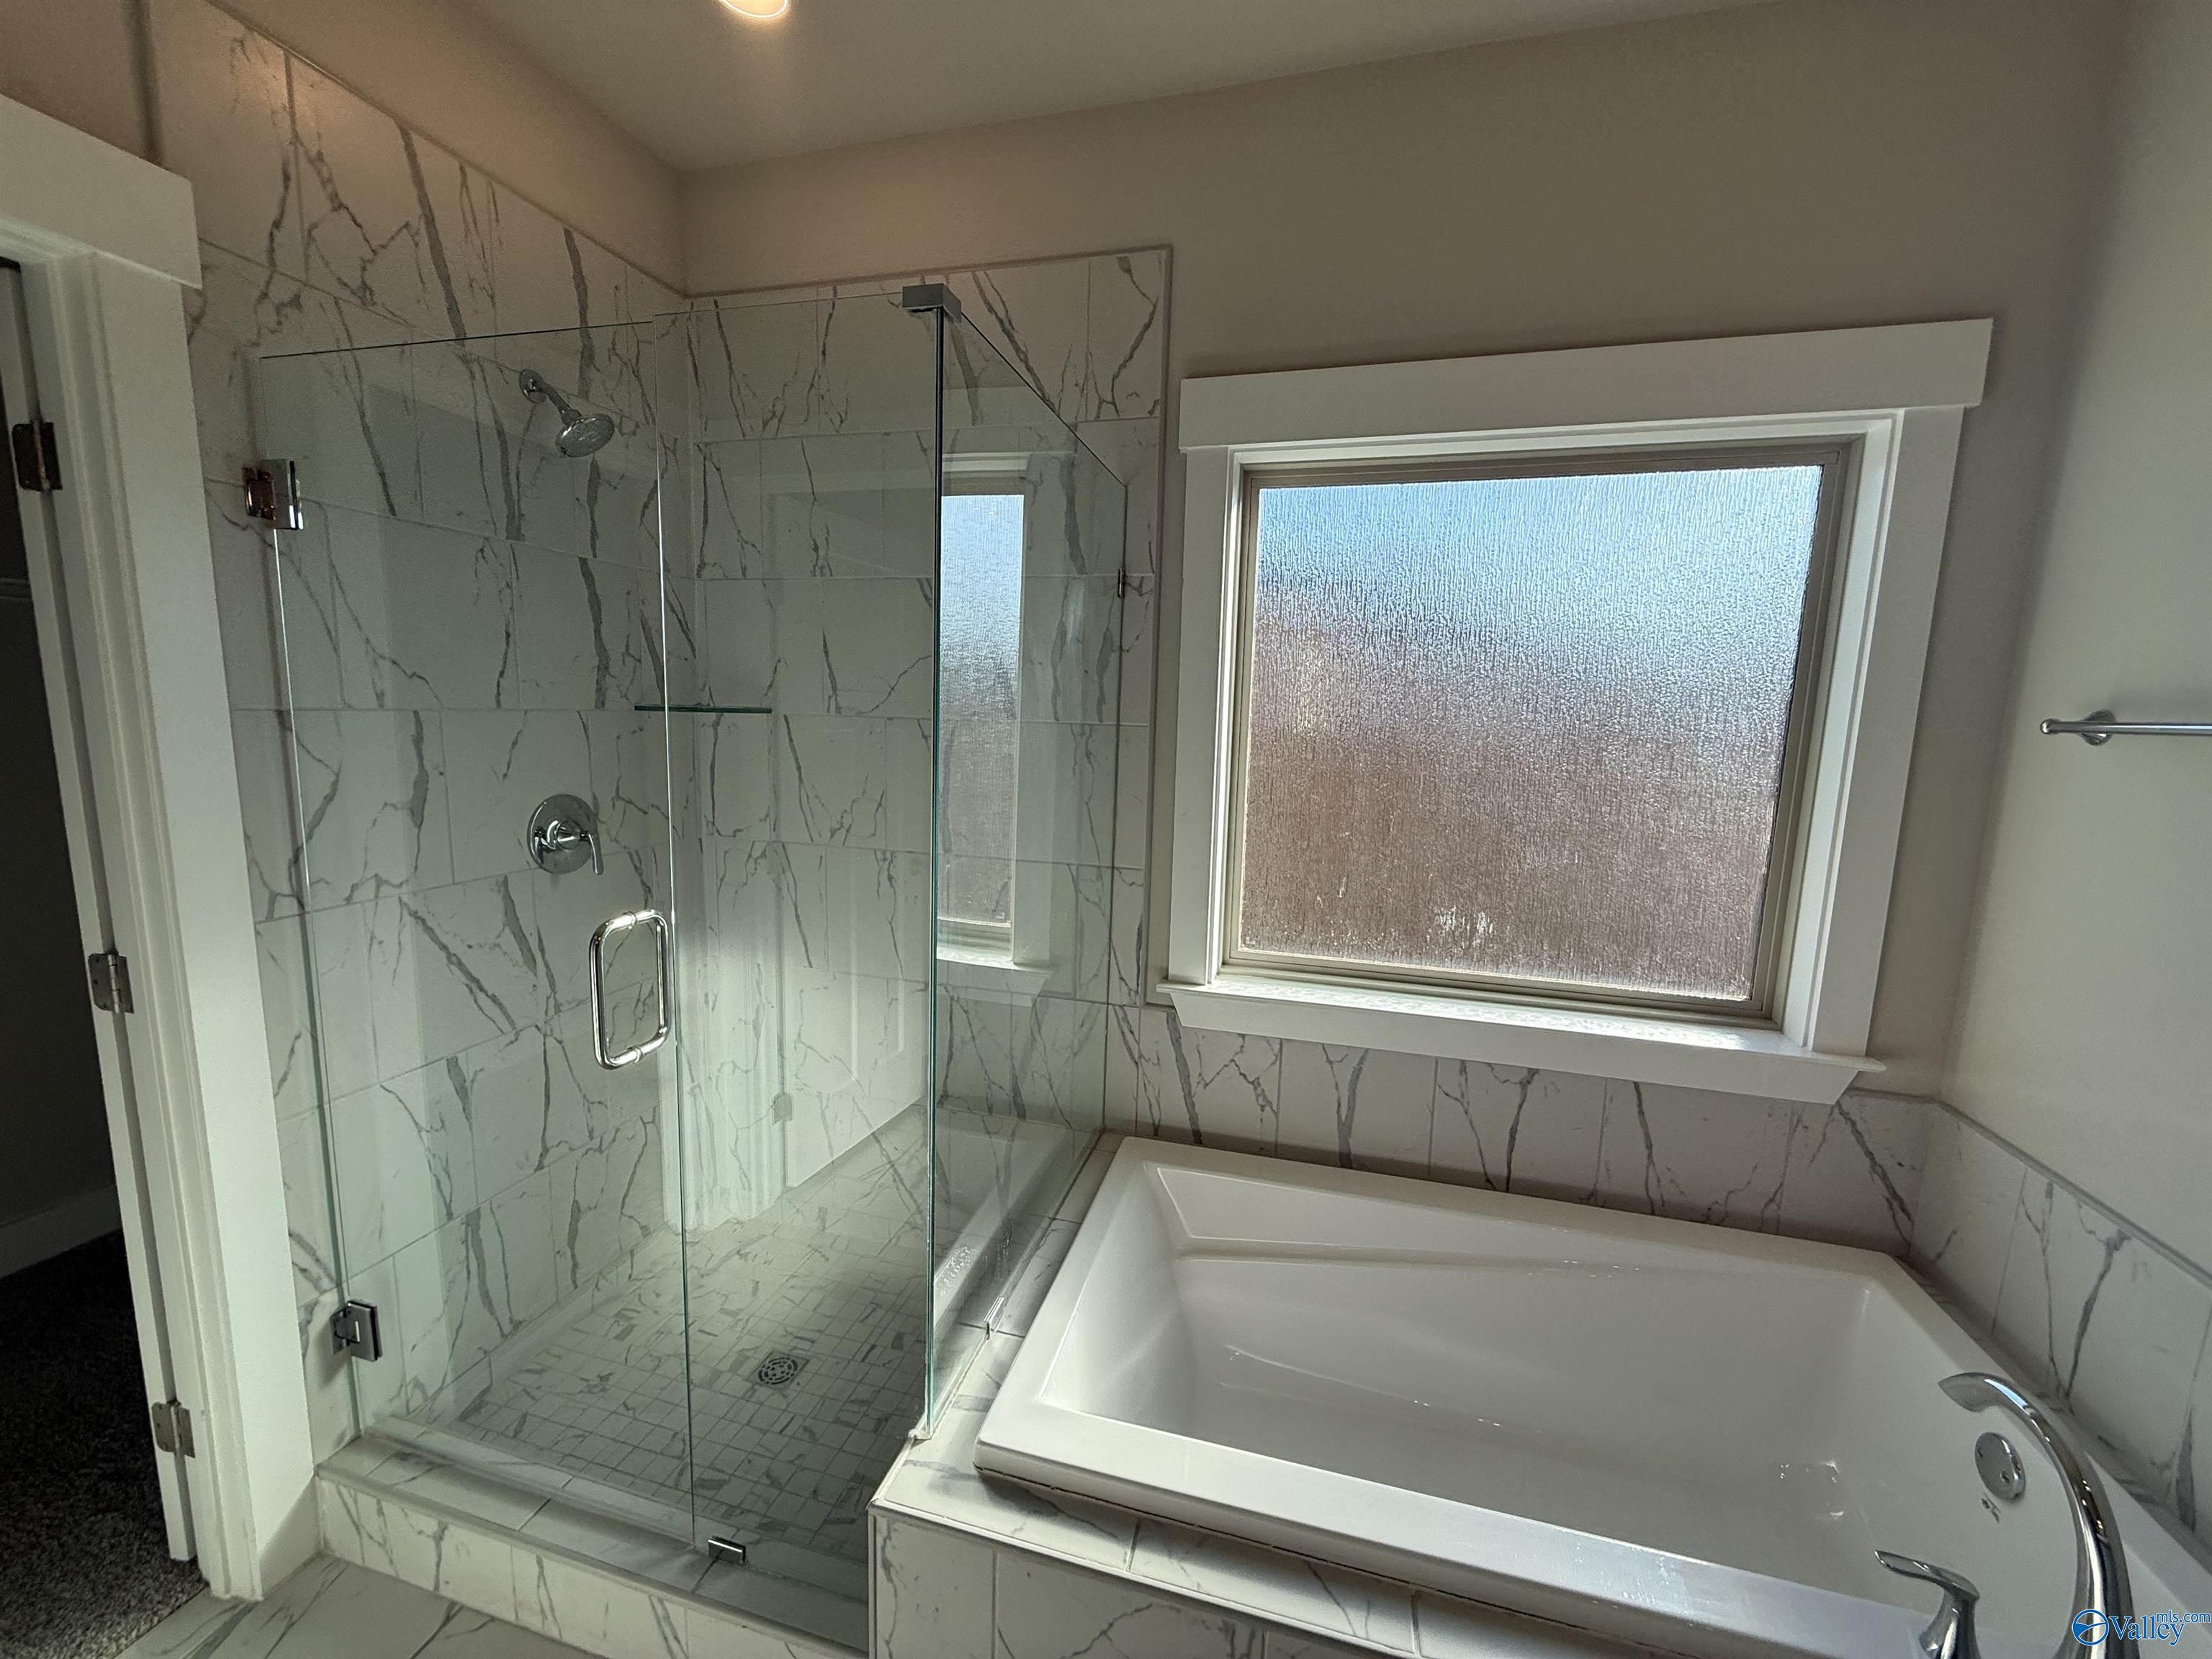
(702, 747)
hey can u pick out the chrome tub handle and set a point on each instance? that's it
(605, 931)
(1950, 1633)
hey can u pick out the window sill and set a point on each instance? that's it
(986, 975)
(1639, 1050)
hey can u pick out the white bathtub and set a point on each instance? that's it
(1690, 1438)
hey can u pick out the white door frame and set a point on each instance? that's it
(142, 1221)
(108, 244)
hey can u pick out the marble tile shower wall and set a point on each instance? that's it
(2102, 1320)
(807, 548)
(814, 512)
(467, 619)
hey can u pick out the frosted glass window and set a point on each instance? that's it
(979, 705)
(1535, 727)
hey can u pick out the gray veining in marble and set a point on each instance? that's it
(334, 1610)
(2108, 1325)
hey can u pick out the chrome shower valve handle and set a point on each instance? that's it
(559, 836)
(563, 831)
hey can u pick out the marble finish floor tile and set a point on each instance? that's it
(330, 1609)
(824, 1290)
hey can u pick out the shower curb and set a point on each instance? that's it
(560, 1593)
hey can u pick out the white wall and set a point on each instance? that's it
(82, 63)
(1807, 165)
(2082, 1034)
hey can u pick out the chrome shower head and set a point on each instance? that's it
(581, 434)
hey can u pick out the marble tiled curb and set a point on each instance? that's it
(617, 1591)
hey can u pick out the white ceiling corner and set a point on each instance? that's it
(701, 88)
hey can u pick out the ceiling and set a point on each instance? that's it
(701, 88)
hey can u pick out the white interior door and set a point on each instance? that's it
(150, 1227)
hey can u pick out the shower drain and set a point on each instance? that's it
(778, 1369)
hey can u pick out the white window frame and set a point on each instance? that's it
(1897, 394)
(978, 959)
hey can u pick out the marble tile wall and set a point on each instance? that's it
(465, 623)
(2101, 1319)
(808, 541)
(1849, 1173)
(944, 1595)
(813, 515)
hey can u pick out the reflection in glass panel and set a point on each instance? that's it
(1030, 686)
(1526, 726)
(803, 558)
(979, 704)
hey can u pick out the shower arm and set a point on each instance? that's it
(539, 390)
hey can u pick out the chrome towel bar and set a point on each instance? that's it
(2103, 727)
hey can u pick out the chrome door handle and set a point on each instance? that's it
(605, 931)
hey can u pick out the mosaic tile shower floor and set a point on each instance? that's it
(824, 1289)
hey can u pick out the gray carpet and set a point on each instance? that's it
(87, 1571)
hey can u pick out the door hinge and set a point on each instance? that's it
(1120, 584)
(355, 1333)
(111, 982)
(173, 1429)
(273, 494)
(38, 458)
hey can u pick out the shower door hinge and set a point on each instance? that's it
(38, 458)
(930, 296)
(273, 494)
(173, 1429)
(1120, 584)
(111, 982)
(354, 1332)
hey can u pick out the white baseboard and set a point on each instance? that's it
(28, 1240)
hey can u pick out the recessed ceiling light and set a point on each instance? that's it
(758, 10)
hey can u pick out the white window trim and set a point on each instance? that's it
(989, 961)
(1900, 392)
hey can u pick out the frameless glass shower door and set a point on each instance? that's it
(475, 634)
